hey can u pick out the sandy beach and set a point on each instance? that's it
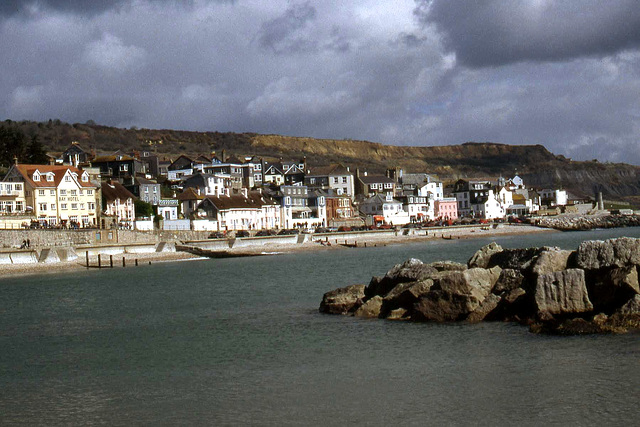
(374, 239)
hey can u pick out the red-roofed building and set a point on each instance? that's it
(57, 195)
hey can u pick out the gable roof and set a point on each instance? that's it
(190, 194)
(254, 200)
(331, 170)
(59, 171)
(114, 190)
(374, 179)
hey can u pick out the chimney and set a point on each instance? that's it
(224, 156)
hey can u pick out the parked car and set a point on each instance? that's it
(217, 235)
(288, 231)
(343, 229)
(266, 233)
(242, 233)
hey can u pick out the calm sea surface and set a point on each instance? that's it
(240, 341)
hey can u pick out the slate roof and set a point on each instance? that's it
(114, 190)
(190, 194)
(374, 179)
(254, 200)
(332, 170)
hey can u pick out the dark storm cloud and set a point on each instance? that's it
(281, 34)
(13, 7)
(498, 32)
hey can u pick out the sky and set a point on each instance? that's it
(564, 74)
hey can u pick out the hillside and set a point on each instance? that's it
(534, 163)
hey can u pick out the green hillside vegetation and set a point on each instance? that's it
(534, 163)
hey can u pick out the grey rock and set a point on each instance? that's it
(448, 266)
(550, 260)
(509, 279)
(518, 259)
(487, 306)
(411, 270)
(597, 254)
(482, 257)
(609, 289)
(397, 314)
(342, 300)
(371, 308)
(631, 307)
(561, 292)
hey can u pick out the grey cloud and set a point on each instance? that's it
(496, 32)
(280, 34)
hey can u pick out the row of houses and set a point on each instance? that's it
(228, 193)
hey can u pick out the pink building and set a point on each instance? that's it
(446, 208)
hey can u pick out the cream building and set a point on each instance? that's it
(56, 195)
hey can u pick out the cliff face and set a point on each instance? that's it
(534, 163)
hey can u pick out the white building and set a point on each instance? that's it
(386, 208)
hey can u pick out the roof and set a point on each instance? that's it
(140, 180)
(114, 190)
(254, 200)
(190, 194)
(59, 172)
(416, 178)
(518, 199)
(380, 199)
(371, 179)
(332, 170)
(113, 158)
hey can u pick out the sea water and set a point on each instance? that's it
(240, 342)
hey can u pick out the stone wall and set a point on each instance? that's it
(56, 238)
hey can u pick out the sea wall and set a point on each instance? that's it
(588, 222)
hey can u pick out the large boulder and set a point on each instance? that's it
(412, 270)
(448, 266)
(371, 308)
(482, 257)
(562, 292)
(597, 254)
(609, 289)
(455, 294)
(405, 295)
(549, 261)
(342, 300)
(631, 307)
(517, 259)
(485, 309)
(509, 279)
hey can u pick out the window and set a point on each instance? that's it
(40, 192)
(336, 179)
(63, 206)
(74, 192)
(155, 189)
(19, 206)
(18, 187)
(146, 189)
(52, 192)
(344, 179)
(43, 206)
(81, 192)
(124, 168)
(50, 177)
(81, 206)
(91, 206)
(89, 192)
(67, 178)
(74, 206)
(85, 177)
(63, 192)
(36, 176)
(53, 206)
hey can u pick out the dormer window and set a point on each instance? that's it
(36, 176)
(85, 177)
(50, 177)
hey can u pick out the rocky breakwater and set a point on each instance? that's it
(588, 222)
(593, 289)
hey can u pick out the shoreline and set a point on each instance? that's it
(20, 270)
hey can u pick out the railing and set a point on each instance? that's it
(9, 193)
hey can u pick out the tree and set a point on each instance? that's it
(36, 154)
(12, 145)
(142, 208)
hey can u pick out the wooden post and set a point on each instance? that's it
(136, 262)
(124, 263)
(111, 261)
(87, 257)
(99, 262)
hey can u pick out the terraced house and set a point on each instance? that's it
(56, 195)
